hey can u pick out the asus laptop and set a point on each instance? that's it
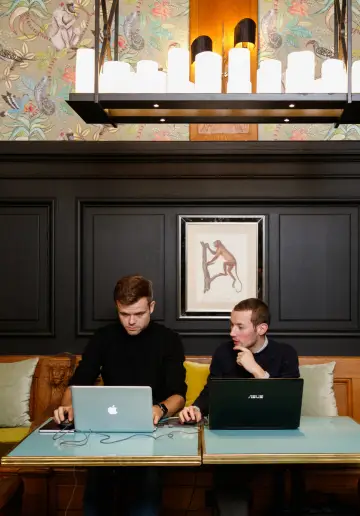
(112, 409)
(239, 404)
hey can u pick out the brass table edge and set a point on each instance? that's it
(162, 460)
(203, 446)
(281, 458)
(101, 460)
(200, 441)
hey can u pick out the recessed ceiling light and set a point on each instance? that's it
(286, 120)
(156, 105)
(292, 105)
(162, 119)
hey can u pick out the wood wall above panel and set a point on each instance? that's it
(92, 199)
(209, 18)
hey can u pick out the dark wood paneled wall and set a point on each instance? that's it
(74, 217)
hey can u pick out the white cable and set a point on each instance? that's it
(73, 491)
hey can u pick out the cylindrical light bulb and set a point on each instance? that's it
(236, 87)
(303, 62)
(85, 70)
(334, 76)
(160, 82)
(178, 70)
(208, 71)
(300, 73)
(239, 65)
(147, 79)
(356, 77)
(269, 76)
(115, 77)
(147, 67)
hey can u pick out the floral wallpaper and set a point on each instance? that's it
(38, 42)
(289, 25)
(39, 38)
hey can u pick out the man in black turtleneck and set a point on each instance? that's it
(132, 351)
(250, 354)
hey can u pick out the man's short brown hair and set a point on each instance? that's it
(259, 310)
(129, 289)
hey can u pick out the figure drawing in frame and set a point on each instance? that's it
(229, 265)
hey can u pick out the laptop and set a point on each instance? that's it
(250, 404)
(112, 409)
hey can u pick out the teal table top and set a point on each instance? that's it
(169, 445)
(325, 439)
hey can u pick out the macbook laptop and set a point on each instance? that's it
(237, 403)
(112, 409)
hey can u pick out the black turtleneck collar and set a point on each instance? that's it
(145, 333)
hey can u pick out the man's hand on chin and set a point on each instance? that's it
(246, 359)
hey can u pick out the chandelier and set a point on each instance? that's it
(109, 91)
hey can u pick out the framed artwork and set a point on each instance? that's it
(221, 262)
(223, 132)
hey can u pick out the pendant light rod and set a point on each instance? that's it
(107, 38)
(346, 12)
(349, 49)
(116, 36)
(96, 56)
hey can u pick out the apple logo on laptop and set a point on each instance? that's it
(112, 410)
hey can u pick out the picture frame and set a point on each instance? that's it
(220, 262)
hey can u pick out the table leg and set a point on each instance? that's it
(288, 492)
(279, 496)
(35, 494)
(298, 490)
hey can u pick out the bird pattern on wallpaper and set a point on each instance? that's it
(290, 25)
(132, 33)
(38, 43)
(322, 52)
(39, 38)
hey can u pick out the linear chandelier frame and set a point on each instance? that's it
(219, 108)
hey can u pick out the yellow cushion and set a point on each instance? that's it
(13, 435)
(196, 377)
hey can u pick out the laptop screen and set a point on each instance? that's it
(237, 403)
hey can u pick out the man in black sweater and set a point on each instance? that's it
(132, 351)
(250, 354)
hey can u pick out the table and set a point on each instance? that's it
(329, 440)
(325, 440)
(170, 445)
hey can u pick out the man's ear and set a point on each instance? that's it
(262, 329)
(152, 306)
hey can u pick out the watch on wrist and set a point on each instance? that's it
(163, 408)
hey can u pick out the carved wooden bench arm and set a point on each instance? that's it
(39, 420)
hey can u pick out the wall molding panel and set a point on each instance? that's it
(74, 217)
(26, 268)
(113, 241)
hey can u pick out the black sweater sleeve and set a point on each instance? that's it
(216, 371)
(174, 368)
(91, 361)
(289, 367)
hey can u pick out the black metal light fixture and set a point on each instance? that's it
(200, 44)
(245, 34)
(217, 108)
